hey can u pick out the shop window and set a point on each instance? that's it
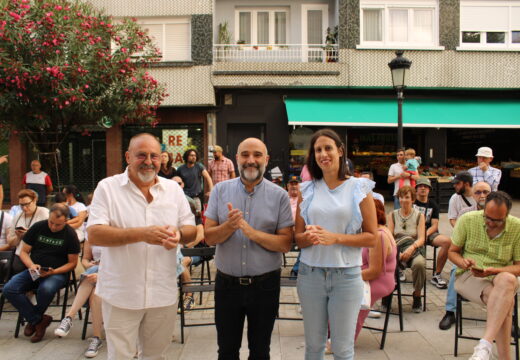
(412, 24)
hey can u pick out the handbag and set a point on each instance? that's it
(367, 297)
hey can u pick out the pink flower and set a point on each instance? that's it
(15, 16)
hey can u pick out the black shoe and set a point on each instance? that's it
(417, 304)
(447, 320)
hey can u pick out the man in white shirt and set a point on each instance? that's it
(396, 172)
(139, 218)
(463, 197)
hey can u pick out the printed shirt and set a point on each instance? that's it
(220, 170)
(491, 176)
(470, 234)
(266, 209)
(138, 275)
(51, 248)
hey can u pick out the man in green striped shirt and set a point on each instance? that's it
(486, 249)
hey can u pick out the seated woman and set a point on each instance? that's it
(378, 264)
(408, 226)
(30, 214)
(86, 292)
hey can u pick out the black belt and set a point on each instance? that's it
(248, 280)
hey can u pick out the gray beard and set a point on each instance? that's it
(146, 178)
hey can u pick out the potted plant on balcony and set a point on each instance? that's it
(241, 42)
(331, 39)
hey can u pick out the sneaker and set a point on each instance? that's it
(417, 304)
(481, 352)
(188, 303)
(64, 328)
(447, 320)
(374, 314)
(93, 347)
(402, 276)
(438, 281)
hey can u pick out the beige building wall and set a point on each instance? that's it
(154, 7)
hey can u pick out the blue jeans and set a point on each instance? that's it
(329, 295)
(397, 205)
(451, 295)
(47, 287)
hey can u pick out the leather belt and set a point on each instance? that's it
(248, 280)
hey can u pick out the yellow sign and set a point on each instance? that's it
(297, 152)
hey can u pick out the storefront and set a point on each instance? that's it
(445, 128)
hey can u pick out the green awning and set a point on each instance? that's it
(416, 112)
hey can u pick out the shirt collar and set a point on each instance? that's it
(257, 186)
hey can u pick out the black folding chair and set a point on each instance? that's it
(6, 269)
(206, 253)
(288, 281)
(460, 317)
(200, 286)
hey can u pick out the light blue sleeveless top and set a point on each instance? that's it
(336, 211)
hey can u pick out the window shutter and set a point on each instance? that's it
(484, 18)
(178, 42)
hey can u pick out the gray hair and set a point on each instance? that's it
(60, 210)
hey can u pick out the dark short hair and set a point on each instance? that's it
(380, 212)
(60, 197)
(401, 149)
(187, 153)
(60, 210)
(500, 197)
(405, 190)
(312, 165)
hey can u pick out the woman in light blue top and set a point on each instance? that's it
(334, 220)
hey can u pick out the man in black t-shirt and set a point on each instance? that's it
(50, 251)
(430, 210)
(192, 172)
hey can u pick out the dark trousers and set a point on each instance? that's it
(21, 283)
(258, 301)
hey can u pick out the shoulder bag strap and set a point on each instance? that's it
(465, 200)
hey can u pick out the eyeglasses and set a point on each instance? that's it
(480, 192)
(144, 156)
(25, 204)
(497, 222)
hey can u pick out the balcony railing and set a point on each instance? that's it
(276, 53)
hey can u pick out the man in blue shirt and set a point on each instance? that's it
(250, 221)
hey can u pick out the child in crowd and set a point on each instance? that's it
(411, 166)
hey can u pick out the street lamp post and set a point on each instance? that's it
(399, 67)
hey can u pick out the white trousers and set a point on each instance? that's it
(150, 330)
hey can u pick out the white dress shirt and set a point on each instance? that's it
(139, 275)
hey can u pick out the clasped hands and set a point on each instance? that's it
(319, 236)
(236, 221)
(167, 236)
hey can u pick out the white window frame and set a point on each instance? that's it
(385, 6)
(254, 23)
(508, 45)
(325, 21)
(143, 21)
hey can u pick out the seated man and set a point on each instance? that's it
(50, 251)
(486, 249)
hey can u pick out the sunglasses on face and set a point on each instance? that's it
(480, 192)
(25, 204)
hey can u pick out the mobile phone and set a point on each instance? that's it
(20, 228)
(45, 268)
(477, 269)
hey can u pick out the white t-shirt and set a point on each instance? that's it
(395, 170)
(79, 206)
(457, 205)
(5, 228)
(139, 275)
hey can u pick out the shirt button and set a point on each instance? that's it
(244, 246)
(243, 263)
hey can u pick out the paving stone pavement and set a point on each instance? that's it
(421, 338)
